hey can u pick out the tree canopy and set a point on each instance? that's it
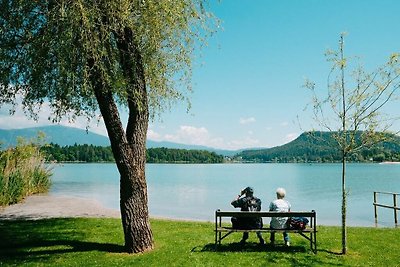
(49, 48)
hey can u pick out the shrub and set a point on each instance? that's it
(22, 173)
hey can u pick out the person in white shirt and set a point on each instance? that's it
(279, 205)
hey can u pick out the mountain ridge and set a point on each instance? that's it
(304, 148)
(321, 146)
(64, 136)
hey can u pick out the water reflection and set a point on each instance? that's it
(196, 191)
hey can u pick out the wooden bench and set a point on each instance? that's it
(310, 232)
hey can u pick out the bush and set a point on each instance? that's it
(22, 173)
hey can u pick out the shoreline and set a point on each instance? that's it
(44, 206)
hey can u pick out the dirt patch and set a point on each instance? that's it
(45, 206)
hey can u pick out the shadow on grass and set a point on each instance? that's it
(23, 241)
(47, 247)
(248, 247)
(274, 255)
(331, 252)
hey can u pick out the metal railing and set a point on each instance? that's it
(394, 207)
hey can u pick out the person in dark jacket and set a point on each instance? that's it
(246, 201)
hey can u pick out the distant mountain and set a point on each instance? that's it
(57, 134)
(64, 136)
(322, 147)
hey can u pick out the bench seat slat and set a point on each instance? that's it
(263, 214)
(230, 229)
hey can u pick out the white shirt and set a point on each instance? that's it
(279, 205)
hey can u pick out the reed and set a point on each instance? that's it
(22, 173)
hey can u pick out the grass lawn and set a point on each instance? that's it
(99, 242)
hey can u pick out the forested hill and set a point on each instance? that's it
(321, 147)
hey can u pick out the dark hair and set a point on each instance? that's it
(248, 190)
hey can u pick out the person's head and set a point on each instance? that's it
(280, 193)
(248, 191)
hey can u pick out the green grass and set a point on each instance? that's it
(99, 242)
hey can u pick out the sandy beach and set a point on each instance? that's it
(45, 206)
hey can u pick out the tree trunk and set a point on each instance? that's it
(344, 205)
(344, 143)
(129, 148)
(130, 160)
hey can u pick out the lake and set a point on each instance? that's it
(195, 191)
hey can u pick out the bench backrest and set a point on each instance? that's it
(219, 213)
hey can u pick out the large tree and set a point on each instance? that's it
(353, 108)
(86, 56)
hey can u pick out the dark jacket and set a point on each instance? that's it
(247, 203)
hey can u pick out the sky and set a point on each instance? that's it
(248, 82)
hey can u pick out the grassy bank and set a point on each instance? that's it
(22, 173)
(99, 242)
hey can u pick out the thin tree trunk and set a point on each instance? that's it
(344, 205)
(344, 145)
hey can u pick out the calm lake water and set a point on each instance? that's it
(195, 191)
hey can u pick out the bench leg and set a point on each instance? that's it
(216, 240)
(313, 242)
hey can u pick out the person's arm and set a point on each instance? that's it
(236, 202)
(271, 206)
(258, 204)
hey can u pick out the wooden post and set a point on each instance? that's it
(375, 209)
(395, 208)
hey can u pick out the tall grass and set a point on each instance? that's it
(22, 172)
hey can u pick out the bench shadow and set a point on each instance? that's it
(248, 247)
(330, 252)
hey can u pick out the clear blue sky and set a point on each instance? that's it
(248, 82)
